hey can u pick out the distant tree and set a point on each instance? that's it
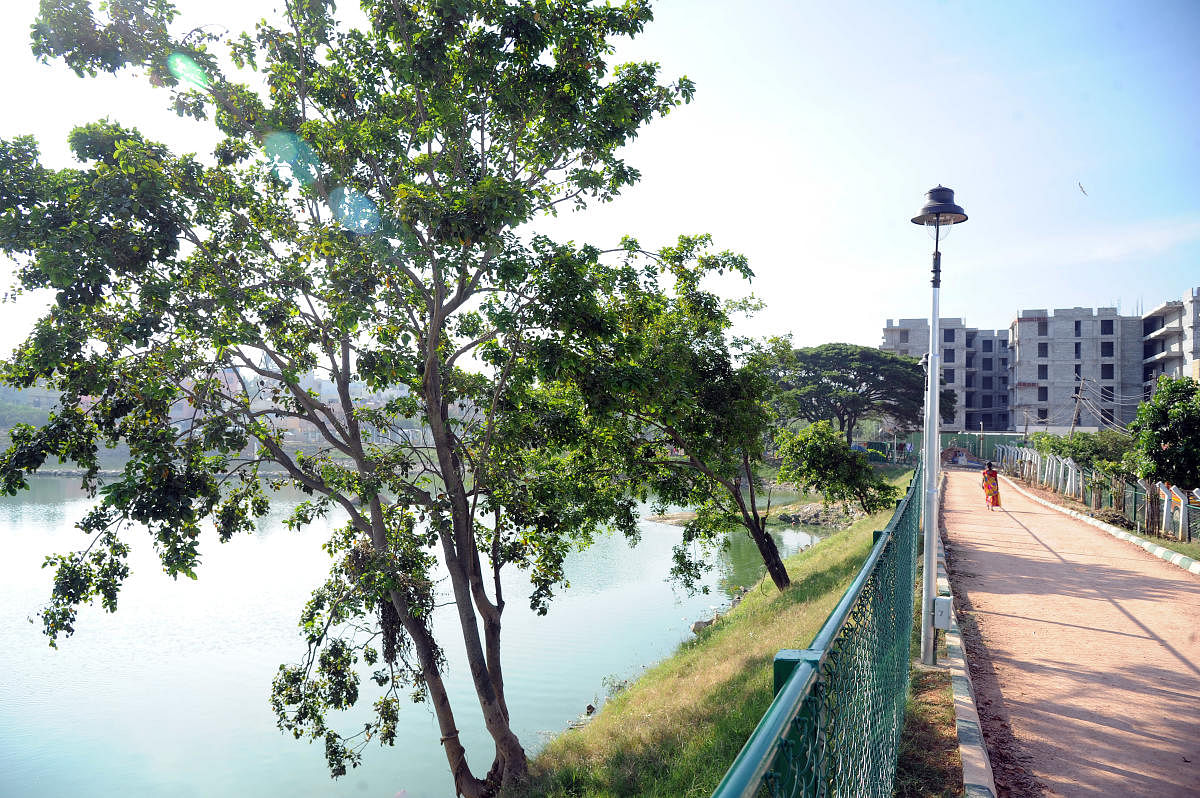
(359, 218)
(1104, 449)
(1167, 434)
(846, 383)
(14, 413)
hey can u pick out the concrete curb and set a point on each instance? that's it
(978, 781)
(1161, 552)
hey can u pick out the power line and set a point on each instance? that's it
(1117, 398)
(1111, 395)
(1030, 418)
(1100, 416)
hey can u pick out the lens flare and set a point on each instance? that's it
(187, 71)
(354, 210)
(293, 155)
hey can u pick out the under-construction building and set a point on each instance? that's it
(1074, 367)
(1053, 370)
(975, 363)
(1171, 341)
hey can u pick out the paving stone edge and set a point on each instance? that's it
(978, 781)
(1159, 551)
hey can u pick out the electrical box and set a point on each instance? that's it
(943, 612)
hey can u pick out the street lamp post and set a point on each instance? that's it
(939, 212)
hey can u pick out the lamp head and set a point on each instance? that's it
(940, 209)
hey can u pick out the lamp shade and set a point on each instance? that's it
(940, 208)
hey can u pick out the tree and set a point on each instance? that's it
(702, 402)
(818, 459)
(846, 383)
(1167, 434)
(357, 223)
(1103, 449)
(699, 401)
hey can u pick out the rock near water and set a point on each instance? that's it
(818, 514)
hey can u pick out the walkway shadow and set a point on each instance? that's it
(1011, 570)
(1147, 746)
(1114, 735)
(1008, 758)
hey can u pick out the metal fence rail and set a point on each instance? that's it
(834, 726)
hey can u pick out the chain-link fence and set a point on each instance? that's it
(834, 727)
(1132, 504)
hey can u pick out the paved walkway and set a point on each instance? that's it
(1092, 651)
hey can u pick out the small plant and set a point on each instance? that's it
(615, 685)
(1114, 517)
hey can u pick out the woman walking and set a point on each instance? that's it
(991, 487)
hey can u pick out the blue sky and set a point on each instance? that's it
(816, 130)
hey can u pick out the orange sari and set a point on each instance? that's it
(991, 488)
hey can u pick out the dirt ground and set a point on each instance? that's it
(1084, 651)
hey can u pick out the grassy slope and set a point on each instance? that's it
(675, 731)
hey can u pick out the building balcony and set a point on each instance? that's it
(1169, 331)
(1172, 307)
(1162, 356)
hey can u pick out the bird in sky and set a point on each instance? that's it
(1081, 188)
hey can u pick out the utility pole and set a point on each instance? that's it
(1078, 397)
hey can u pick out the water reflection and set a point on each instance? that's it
(169, 695)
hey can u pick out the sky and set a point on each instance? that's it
(1069, 131)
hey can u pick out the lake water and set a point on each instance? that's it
(169, 696)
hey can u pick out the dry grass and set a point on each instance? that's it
(675, 731)
(929, 765)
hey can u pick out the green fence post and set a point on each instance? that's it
(786, 661)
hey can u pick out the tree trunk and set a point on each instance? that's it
(458, 548)
(465, 782)
(491, 638)
(462, 560)
(756, 525)
(770, 556)
(1154, 508)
